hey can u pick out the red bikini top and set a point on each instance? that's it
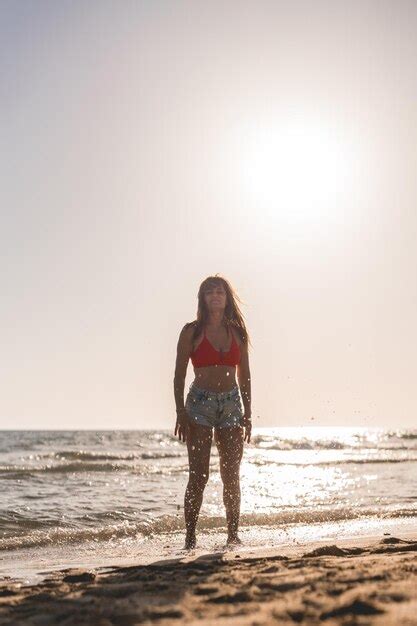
(205, 354)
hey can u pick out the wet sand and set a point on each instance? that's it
(361, 582)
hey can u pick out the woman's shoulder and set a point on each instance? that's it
(188, 328)
(190, 325)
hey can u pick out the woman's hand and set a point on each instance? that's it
(181, 426)
(247, 425)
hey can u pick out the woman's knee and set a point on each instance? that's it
(231, 484)
(229, 472)
(198, 477)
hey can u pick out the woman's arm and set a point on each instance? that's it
(184, 349)
(243, 376)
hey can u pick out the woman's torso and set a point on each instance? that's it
(217, 377)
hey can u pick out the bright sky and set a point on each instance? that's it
(149, 144)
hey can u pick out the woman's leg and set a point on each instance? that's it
(198, 444)
(230, 445)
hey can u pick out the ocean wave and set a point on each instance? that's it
(266, 462)
(75, 455)
(332, 446)
(403, 434)
(12, 472)
(18, 471)
(278, 443)
(161, 455)
(175, 523)
(13, 520)
(354, 442)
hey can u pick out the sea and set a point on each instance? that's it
(97, 499)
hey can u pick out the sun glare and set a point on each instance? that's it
(297, 170)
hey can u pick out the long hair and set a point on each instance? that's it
(232, 313)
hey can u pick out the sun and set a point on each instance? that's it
(298, 169)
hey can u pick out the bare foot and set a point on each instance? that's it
(233, 540)
(190, 542)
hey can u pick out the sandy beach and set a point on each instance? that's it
(356, 582)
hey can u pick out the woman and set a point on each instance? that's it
(217, 343)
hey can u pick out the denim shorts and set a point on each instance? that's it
(215, 409)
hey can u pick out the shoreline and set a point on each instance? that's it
(29, 566)
(367, 580)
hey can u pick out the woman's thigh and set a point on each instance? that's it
(199, 440)
(229, 443)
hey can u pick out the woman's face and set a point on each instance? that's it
(215, 297)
